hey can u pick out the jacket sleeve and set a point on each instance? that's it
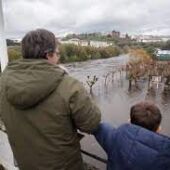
(105, 135)
(84, 112)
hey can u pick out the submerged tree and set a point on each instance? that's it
(91, 82)
(137, 66)
(106, 78)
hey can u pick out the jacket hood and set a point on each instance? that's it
(28, 82)
(144, 148)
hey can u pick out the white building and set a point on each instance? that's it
(164, 52)
(100, 44)
(74, 41)
(150, 38)
(96, 44)
(165, 39)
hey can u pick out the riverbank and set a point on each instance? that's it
(73, 53)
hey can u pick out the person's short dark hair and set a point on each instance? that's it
(36, 44)
(147, 115)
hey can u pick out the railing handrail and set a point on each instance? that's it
(94, 156)
(82, 151)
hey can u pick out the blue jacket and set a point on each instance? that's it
(131, 147)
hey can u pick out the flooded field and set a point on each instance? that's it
(114, 99)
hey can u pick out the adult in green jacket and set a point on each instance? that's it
(42, 108)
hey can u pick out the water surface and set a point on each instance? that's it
(114, 99)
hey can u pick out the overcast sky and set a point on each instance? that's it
(68, 16)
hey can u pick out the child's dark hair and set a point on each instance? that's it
(147, 115)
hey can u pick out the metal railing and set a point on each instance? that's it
(91, 155)
(94, 156)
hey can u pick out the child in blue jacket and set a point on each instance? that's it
(136, 146)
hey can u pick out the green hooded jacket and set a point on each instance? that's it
(42, 108)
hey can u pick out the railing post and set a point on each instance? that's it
(3, 45)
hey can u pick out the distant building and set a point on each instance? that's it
(166, 38)
(150, 38)
(87, 43)
(123, 36)
(115, 34)
(84, 43)
(163, 55)
(100, 44)
(74, 41)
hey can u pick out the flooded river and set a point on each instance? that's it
(114, 100)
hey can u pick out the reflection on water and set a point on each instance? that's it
(114, 99)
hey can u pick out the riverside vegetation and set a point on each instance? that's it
(72, 53)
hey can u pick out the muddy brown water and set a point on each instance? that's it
(115, 100)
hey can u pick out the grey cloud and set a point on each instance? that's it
(63, 16)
